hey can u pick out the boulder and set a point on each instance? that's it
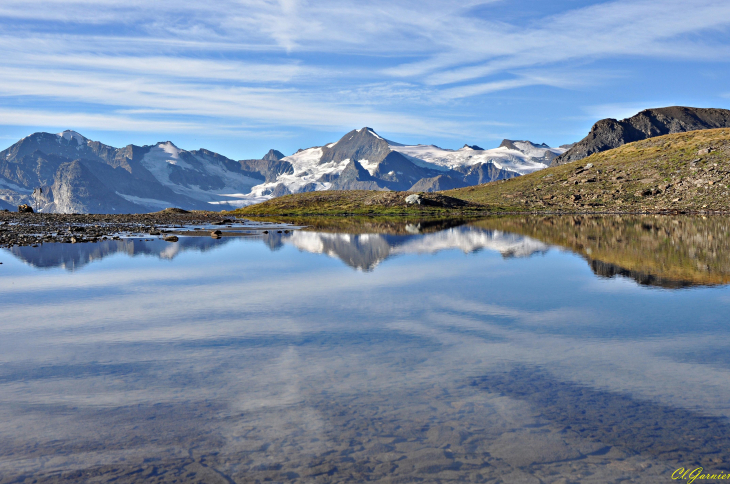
(413, 199)
(25, 208)
(171, 238)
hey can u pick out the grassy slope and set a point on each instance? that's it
(658, 174)
(663, 173)
(355, 202)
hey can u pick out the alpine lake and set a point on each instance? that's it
(531, 349)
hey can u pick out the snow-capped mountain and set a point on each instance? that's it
(78, 175)
(362, 159)
(81, 175)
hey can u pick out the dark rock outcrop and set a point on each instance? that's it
(355, 177)
(273, 155)
(609, 133)
(280, 190)
(267, 170)
(437, 183)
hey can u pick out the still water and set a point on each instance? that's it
(553, 350)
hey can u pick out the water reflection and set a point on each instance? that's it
(664, 251)
(75, 256)
(242, 364)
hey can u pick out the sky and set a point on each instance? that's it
(241, 77)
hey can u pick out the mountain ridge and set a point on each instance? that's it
(610, 133)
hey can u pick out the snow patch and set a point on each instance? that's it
(369, 166)
(68, 135)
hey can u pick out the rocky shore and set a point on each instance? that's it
(29, 229)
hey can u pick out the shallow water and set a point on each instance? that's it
(563, 349)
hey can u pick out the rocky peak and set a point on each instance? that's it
(273, 155)
(358, 144)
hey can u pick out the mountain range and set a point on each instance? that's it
(78, 175)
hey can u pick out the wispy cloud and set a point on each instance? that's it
(406, 67)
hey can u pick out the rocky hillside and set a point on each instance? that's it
(609, 133)
(677, 172)
(361, 202)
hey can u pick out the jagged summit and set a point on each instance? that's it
(472, 147)
(273, 155)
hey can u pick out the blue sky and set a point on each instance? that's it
(240, 77)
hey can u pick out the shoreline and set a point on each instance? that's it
(33, 229)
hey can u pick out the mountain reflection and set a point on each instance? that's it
(75, 256)
(662, 251)
(365, 251)
(360, 251)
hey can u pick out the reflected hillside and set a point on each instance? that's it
(75, 256)
(365, 251)
(663, 251)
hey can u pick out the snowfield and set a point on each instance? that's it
(522, 162)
